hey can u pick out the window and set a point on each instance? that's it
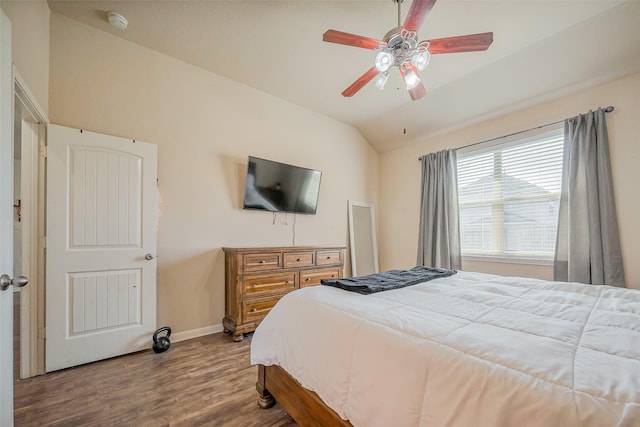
(509, 195)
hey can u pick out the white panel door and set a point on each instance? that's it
(6, 224)
(101, 246)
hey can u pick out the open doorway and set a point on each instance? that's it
(28, 225)
(17, 238)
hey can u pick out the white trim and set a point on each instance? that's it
(6, 221)
(507, 260)
(31, 301)
(41, 248)
(30, 249)
(195, 333)
(22, 92)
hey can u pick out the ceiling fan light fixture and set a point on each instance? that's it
(411, 79)
(421, 59)
(381, 80)
(384, 61)
(400, 48)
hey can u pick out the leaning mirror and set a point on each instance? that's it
(362, 235)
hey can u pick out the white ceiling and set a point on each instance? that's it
(541, 49)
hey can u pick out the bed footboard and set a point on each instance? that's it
(304, 406)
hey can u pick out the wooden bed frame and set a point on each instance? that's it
(304, 406)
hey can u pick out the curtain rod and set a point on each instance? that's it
(609, 109)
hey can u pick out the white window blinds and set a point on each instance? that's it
(509, 195)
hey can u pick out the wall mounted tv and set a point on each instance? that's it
(279, 187)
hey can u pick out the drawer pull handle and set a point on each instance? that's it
(254, 286)
(333, 275)
(263, 262)
(254, 310)
(288, 282)
(328, 257)
(298, 260)
(307, 279)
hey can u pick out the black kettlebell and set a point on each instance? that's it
(161, 344)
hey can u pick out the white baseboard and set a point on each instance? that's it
(195, 333)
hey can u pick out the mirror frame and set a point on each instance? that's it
(352, 240)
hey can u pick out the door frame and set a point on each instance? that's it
(6, 222)
(33, 195)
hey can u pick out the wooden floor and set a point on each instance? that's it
(205, 381)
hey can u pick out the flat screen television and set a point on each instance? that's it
(279, 187)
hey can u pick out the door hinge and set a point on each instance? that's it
(43, 151)
(42, 333)
(43, 242)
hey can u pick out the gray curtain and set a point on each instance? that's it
(588, 245)
(439, 238)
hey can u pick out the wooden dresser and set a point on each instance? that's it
(256, 278)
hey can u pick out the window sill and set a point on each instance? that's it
(508, 260)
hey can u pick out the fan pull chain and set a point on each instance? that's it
(404, 114)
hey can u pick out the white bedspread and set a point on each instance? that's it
(467, 350)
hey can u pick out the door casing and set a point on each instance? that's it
(33, 119)
(6, 222)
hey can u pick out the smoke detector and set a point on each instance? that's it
(117, 20)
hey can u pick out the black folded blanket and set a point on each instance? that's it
(392, 279)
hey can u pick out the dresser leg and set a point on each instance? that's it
(238, 337)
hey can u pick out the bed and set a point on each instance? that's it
(467, 350)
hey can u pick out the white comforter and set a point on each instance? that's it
(468, 350)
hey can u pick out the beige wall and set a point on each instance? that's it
(400, 174)
(205, 126)
(30, 44)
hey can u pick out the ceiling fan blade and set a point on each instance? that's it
(417, 13)
(334, 36)
(362, 80)
(417, 92)
(468, 43)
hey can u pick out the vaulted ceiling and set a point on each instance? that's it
(541, 49)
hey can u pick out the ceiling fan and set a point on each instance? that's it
(400, 48)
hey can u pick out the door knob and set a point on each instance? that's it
(18, 281)
(148, 257)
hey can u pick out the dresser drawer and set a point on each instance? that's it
(273, 283)
(328, 257)
(255, 310)
(298, 259)
(265, 261)
(313, 277)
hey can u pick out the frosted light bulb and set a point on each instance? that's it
(421, 59)
(411, 79)
(384, 61)
(381, 80)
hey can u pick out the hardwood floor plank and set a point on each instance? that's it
(205, 381)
